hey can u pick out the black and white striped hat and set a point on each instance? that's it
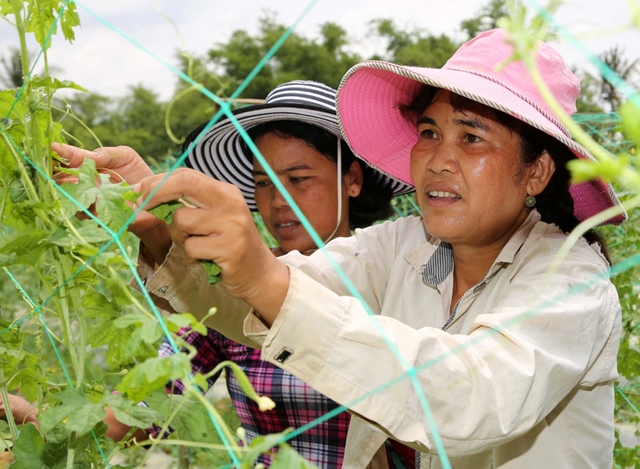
(218, 153)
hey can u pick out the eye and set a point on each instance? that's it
(470, 138)
(261, 183)
(297, 179)
(427, 133)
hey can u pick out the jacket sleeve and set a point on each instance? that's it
(180, 285)
(520, 359)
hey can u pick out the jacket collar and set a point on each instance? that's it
(434, 259)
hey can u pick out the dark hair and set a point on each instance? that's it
(373, 203)
(555, 202)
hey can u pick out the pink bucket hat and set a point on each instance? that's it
(374, 128)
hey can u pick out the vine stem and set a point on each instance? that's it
(9, 413)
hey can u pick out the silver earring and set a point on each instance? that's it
(530, 202)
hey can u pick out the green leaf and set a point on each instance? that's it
(288, 458)
(128, 320)
(631, 120)
(213, 271)
(28, 449)
(262, 445)
(131, 414)
(70, 400)
(153, 374)
(183, 321)
(24, 248)
(85, 418)
(68, 20)
(165, 211)
(53, 84)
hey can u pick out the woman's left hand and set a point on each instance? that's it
(219, 227)
(22, 411)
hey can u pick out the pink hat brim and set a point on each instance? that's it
(374, 128)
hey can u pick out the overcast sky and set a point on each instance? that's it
(104, 61)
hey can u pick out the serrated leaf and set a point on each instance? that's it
(53, 84)
(24, 248)
(70, 400)
(85, 418)
(131, 414)
(128, 320)
(28, 449)
(153, 374)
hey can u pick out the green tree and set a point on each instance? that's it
(486, 19)
(414, 48)
(299, 58)
(625, 69)
(140, 124)
(11, 75)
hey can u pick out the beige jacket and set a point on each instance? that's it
(521, 377)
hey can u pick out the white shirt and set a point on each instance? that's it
(521, 377)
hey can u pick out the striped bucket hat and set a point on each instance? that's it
(219, 152)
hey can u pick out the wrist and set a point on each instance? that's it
(267, 299)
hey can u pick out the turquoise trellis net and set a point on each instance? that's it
(95, 265)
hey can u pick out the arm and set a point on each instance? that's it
(485, 388)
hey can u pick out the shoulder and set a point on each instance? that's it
(397, 232)
(548, 241)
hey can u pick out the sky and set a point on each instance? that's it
(103, 60)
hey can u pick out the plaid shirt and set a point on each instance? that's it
(296, 403)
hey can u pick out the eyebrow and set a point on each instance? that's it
(284, 171)
(468, 122)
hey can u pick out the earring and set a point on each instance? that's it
(530, 202)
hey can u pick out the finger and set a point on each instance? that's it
(73, 155)
(191, 185)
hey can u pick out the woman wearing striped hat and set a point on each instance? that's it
(296, 130)
(297, 133)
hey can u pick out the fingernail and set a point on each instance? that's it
(135, 187)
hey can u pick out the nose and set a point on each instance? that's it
(437, 157)
(277, 199)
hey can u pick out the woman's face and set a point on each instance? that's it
(470, 183)
(310, 178)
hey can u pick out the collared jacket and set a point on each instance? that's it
(520, 375)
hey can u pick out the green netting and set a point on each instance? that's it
(106, 265)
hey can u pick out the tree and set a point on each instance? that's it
(299, 58)
(486, 19)
(414, 48)
(12, 76)
(622, 67)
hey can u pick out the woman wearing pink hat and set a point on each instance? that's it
(513, 349)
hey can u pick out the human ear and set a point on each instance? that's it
(540, 173)
(353, 179)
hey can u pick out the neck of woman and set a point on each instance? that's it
(470, 267)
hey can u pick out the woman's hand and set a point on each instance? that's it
(219, 227)
(22, 411)
(121, 164)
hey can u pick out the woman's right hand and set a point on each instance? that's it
(121, 163)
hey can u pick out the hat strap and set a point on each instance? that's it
(339, 184)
